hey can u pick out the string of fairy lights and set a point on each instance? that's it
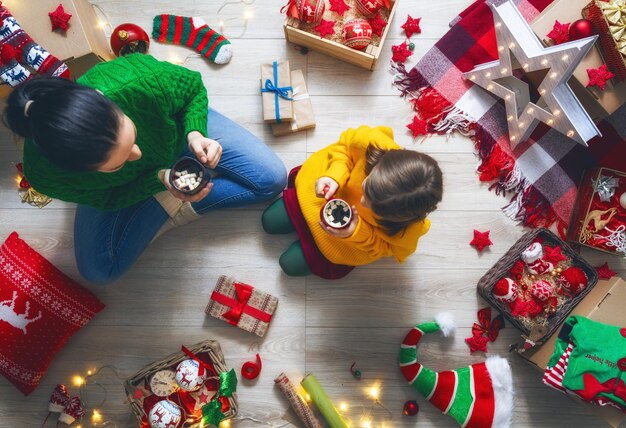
(357, 416)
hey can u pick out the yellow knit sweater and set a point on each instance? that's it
(344, 162)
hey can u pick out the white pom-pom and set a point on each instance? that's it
(446, 323)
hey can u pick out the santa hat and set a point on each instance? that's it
(477, 396)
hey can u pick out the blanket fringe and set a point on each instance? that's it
(527, 205)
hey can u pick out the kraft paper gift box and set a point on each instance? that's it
(303, 117)
(242, 305)
(276, 91)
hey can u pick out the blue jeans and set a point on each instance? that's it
(107, 243)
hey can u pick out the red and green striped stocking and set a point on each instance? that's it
(194, 33)
(476, 396)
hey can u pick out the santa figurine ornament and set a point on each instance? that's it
(476, 396)
(533, 257)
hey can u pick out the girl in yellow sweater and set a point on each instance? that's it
(391, 192)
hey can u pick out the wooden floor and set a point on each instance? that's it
(320, 326)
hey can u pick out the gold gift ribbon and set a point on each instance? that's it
(613, 11)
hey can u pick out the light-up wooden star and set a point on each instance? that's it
(556, 106)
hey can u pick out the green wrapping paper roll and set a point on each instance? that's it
(322, 402)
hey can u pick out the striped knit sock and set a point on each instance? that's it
(194, 33)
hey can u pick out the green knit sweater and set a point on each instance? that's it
(165, 101)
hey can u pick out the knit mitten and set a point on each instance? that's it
(35, 56)
(194, 33)
(11, 71)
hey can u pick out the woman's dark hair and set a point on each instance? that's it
(72, 125)
(403, 186)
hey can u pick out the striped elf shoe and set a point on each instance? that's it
(194, 33)
(477, 396)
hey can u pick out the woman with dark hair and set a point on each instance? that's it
(107, 143)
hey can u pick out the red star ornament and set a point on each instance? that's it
(412, 26)
(378, 25)
(325, 28)
(339, 6)
(59, 18)
(418, 126)
(599, 76)
(553, 254)
(559, 33)
(481, 240)
(604, 272)
(401, 52)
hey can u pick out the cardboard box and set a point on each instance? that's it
(83, 46)
(303, 117)
(598, 103)
(365, 59)
(605, 303)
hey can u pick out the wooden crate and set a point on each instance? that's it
(365, 59)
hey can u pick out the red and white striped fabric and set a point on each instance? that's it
(553, 376)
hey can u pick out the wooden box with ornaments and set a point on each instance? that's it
(188, 389)
(353, 31)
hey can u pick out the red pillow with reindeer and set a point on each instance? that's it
(40, 309)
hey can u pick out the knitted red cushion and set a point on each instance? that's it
(40, 309)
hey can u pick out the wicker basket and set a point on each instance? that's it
(502, 267)
(210, 347)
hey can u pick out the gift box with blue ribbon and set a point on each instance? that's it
(277, 92)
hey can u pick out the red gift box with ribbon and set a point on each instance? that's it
(242, 305)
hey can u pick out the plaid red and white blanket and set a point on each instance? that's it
(542, 173)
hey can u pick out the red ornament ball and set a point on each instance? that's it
(357, 34)
(505, 290)
(129, 38)
(411, 408)
(310, 10)
(369, 8)
(573, 280)
(542, 290)
(581, 29)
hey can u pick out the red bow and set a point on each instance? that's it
(593, 387)
(291, 8)
(239, 306)
(486, 331)
(201, 364)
